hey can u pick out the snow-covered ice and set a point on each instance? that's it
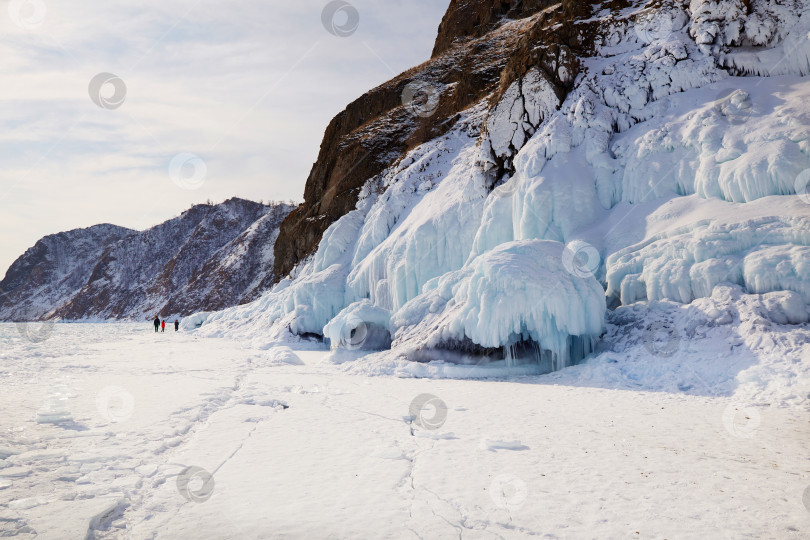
(174, 436)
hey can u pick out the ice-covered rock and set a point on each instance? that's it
(411, 237)
(192, 322)
(304, 305)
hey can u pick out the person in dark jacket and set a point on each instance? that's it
(176, 325)
(157, 323)
(163, 326)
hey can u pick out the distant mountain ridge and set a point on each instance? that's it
(210, 257)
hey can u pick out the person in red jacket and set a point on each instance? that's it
(163, 326)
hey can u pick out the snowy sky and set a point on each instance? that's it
(247, 86)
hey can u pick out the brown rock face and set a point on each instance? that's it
(470, 19)
(483, 46)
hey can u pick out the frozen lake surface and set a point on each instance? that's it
(112, 431)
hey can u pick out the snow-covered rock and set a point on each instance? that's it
(237, 273)
(521, 110)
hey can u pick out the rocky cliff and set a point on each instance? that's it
(483, 46)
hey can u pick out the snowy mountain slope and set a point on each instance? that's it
(661, 174)
(236, 274)
(148, 273)
(53, 270)
(211, 257)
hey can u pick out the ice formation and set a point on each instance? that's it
(362, 325)
(753, 347)
(667, 170)
(767, 250)
(519, 291)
